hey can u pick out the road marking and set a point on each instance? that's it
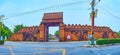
(46, 51)
(64, 52)
(50, 50)
(10, 48)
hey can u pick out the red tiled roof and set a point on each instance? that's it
(54, 15)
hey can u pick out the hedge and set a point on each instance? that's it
(107, 41)
(1, 42)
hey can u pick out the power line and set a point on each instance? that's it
(68, 4)
(95, 4)
(4, 11)
(111, 14)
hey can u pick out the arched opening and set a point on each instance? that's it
(53, 34)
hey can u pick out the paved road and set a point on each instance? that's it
(55, 48)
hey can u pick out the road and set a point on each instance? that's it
(56, 48)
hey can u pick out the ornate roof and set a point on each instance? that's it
(54, 15)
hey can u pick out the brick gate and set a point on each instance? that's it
(51, 19)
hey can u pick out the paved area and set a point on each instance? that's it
(56, 48)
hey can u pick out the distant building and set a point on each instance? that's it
(54, 36)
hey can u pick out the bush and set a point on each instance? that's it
(107, 41)
(118, 33)
(1, 42)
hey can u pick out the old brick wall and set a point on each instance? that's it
(77, 33)
(81, 32)
(17, 37)
(26, 34)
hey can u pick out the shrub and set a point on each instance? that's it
(107, 41)
(1, 42)
(118, 33)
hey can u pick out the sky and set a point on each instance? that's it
(108, 12)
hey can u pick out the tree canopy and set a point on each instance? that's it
(57, 33)
(18, 27)
(6, 32)
(118, 33)
(49, 35)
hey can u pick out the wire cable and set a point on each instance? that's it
(111, 14)
(68, 4)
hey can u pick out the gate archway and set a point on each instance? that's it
(51, 19)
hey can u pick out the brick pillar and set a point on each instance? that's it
(41, 37)
(46, 29)
(62, 37)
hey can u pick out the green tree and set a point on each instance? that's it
(118, 33)
(57, 33)
(49, 35)
(6, 32)
(18, 27)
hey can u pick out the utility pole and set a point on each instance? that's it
(92, 22)
(93, 14)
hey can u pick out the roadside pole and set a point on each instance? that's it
(92, 16)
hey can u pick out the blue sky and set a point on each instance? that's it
(73, 14)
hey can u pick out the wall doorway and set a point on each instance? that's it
(53, 34)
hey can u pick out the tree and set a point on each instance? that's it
(6, 32)
(49, 35)
(118, 33)
(18, 27)
(57, 33)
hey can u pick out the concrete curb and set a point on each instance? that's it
(101, 45)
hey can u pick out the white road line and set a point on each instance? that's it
(10, 48)
(50, 50)
(45, 51)
(64, 52)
